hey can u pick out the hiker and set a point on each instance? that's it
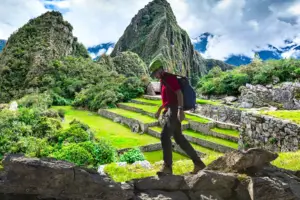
(172, 104)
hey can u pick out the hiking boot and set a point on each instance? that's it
(165, 170)
(198, 167)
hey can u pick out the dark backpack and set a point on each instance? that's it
(189, 94)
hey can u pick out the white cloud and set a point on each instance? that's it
(109, 50)
(239, 26)
(16, 13)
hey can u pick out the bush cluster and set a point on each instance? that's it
(218, 82)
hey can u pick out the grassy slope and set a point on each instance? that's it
(120, 136)
(230, 132)
(293, 115)
(288, 160)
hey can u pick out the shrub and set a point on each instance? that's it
(132, 156)
(33, 147)
(131, 88)
(257, 72)
(73, 134)
(39, 100)
(73, 153)
(129, 64)
(104, 152)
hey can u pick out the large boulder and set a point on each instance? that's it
(239, 161)
(50, 178)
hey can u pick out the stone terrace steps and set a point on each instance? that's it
(200, 139)
(194, 122)
(201, 151)
(146, 110)
(155, 102)
(137, 122)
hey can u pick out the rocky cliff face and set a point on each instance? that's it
(29, 50)
(235, 176)
(154, 33)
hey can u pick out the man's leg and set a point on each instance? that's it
(167, 146)
(184, 143)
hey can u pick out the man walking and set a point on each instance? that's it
(172, 103)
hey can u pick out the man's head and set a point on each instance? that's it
(156, 69)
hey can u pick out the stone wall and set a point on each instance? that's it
(268, 133)
(285, 95)
(220, 113)
(146, 148)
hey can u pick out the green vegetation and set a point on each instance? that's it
(119, 135)
(122, 174)
(37, 132)
(31, 63)
(217, 82)
(229, 132)
(156, 156)
(132, 156)
(129, 64)
(211, 139)
(288, 160)
(24, 61)
(292, 115)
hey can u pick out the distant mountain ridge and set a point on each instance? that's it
(290, 50)
(200, 44)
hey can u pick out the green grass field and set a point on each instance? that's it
(119, 135)
(292, 115)
(211, 139)
(229, 132)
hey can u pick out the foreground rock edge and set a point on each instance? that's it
(49, 178)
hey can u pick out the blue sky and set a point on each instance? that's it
(239, 26)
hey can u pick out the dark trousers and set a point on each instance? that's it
(171, 128)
